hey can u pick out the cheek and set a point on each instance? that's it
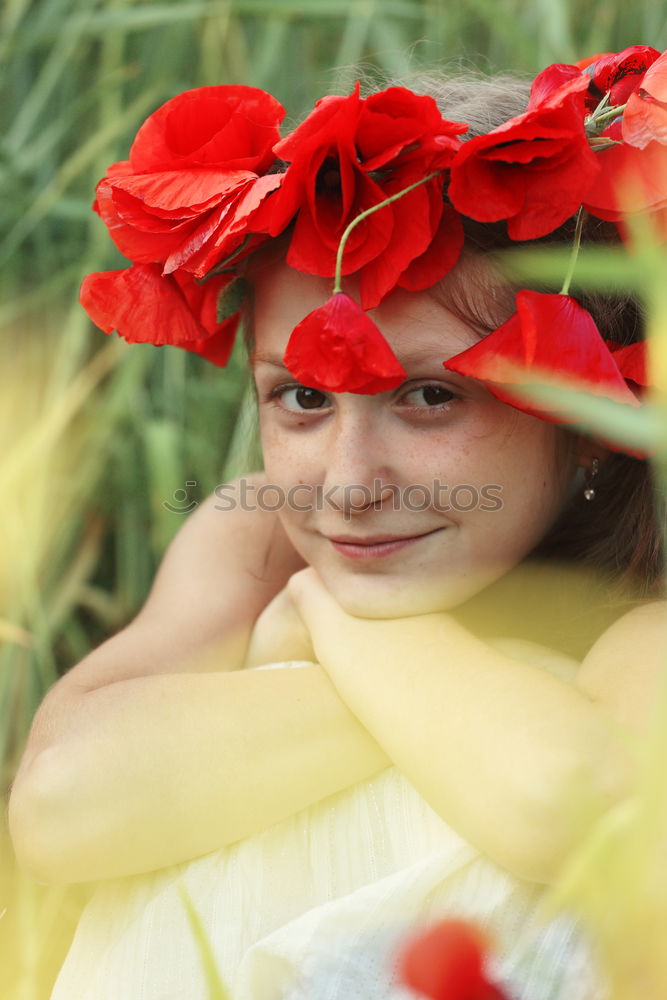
(288, 458)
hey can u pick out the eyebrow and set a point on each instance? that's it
(276, 360)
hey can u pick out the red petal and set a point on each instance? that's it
(631, 360)
(645, 117)
(655, 80)
(589, 60)
(317, 233)
(337, 348)
(621, 73)
(440, 257)
(227, 126)
(218, 347)
(630, 180)
(548, 335)
(174, 191)
(233, 226)
(333, 118)
(141, 246)
(396, 120)
(446, 962)
(414, 226)
(146, 307)
(551, 79)
(534, 169)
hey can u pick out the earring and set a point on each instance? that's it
(589, 489)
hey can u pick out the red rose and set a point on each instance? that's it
(146, 307)
(193, 164)
(338, 348)
(550, 335)
(534, 169)
(350, 154)
(446, 962)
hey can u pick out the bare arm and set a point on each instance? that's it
(164, 768)
(220, 572)
(159, 730)
(517, 760)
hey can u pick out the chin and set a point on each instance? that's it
(366, 597)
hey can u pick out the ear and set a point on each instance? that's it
(586, 449)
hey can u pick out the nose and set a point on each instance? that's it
(358, 476)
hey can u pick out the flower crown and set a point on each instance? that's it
(376, 187)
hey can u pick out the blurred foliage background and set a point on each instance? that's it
(96, 436)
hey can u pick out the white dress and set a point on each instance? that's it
(314, 908)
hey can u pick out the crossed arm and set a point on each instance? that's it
(158, 747)
(135, 763)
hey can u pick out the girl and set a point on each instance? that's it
(445, 601)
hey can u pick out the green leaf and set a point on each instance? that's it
(216, 988)
(232, 297)
(606, 269)
(640, 427)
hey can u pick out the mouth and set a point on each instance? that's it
(375, 547)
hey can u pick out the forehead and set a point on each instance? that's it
(417, 325)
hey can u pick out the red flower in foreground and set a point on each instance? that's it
(534, 169)
(338, 348)
(645, 117)
(350, 154)
(194, 166)
(145, 307)
(446, 962)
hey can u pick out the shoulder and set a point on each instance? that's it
(227, 561)
(624, 668)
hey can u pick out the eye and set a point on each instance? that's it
(297, 398)
(430, 396)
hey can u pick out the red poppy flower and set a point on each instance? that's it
(618, 73)
(446, 962)
(145, 307)
(645, 117)
(549, 335)
(534, 169)
(348, 155)
(338, 348)
(193, 164)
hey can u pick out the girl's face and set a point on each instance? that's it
(473, 482)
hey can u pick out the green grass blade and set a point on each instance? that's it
(216, 987)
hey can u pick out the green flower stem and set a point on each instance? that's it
(575, 252)
(609, 114)
(363, 215)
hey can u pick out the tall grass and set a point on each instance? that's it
(94, 437)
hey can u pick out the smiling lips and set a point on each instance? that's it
(376, 546)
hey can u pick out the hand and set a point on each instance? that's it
(339, 639)
(279, 634)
